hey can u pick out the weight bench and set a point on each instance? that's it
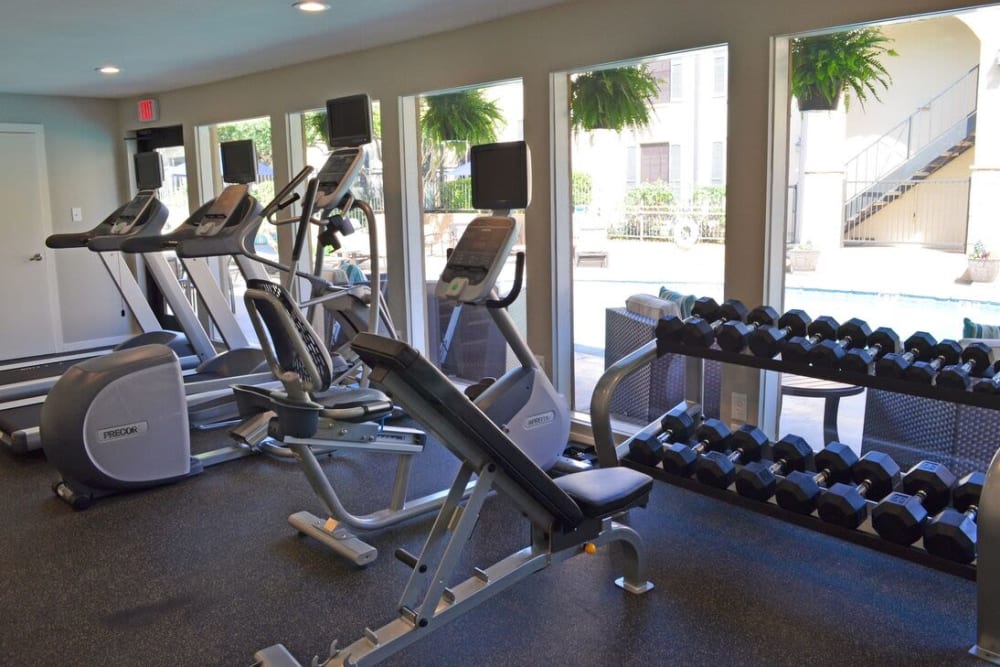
(566, 514)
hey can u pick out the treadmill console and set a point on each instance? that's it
(133, 214)
(337, 175)
(222, 210)
(475, 264)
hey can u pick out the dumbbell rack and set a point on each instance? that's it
(985, 571)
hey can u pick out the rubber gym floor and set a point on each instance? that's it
(206, 571)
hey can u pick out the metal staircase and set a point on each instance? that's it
(931, 137)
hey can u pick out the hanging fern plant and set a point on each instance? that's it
(613, 99)
(462, 116)
(847, 62)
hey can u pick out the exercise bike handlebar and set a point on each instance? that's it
(515, 289)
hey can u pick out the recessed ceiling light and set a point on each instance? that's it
(311, 6)
(108, 69)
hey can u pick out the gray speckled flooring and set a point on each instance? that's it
(206, 571)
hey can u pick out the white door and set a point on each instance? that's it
(28, 305)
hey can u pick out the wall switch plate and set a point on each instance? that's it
(739, 407)
(77, 214)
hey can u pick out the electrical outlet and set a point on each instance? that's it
(739, 407)
(77, 214)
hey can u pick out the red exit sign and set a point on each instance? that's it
(149, 110)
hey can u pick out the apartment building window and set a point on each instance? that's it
(719, 76)
(674, 169)
(718, 162)
(661, 70)
(676, 82)
(654, 162)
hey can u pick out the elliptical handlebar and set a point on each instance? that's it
(301, 233)
(515, 289)
(282, 199)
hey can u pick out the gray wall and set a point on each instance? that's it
(84, 155)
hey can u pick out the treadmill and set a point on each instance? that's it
(208, 232)
(144, 215)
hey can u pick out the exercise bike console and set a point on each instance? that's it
(475, 264)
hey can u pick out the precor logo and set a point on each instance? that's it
(539, 420)
(122, 432)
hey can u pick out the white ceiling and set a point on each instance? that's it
(52, 47)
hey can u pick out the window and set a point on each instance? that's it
(676, 83)
(718, 163)
(655, 163)
(661, 70)
(631, 228)
(719, 76)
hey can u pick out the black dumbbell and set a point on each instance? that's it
(679, 458)
(797, 349)
(828, 353)
(991, 384)
(952, 533)
(734, 335)
(677, 423)
(758, 480)
(883, 341)
(945, 353)
(916, 348)
(876, 475)
(799, 491)
(700, 331)
(976, 359)
(900, 517)
(717, 469)
(671, 326)
(767, 341)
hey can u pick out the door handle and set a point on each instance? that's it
(37, 257)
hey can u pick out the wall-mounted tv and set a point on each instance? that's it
(501, 176)
(148, 170)
(239, 161)
(349, 121)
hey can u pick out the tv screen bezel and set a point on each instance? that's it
(520, 199)
(353, 103)
(142, 164)
(238, 147)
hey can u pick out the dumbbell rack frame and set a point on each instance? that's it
(985, 571)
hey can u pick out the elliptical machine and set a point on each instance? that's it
(523, 401)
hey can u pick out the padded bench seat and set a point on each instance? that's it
(606, 491)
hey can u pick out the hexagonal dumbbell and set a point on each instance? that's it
(719, 470)
(916, 348)
(767, 341)
(733, 335)
(828, 353)
(700, 331)
(670, 327)
(952, 533)
(860, 360)
(758, 480)
(679, 458)
(944, 353)
(799, 491)
(876, 475)
(900, 517)
(976, 357)
(991, 384)
(678, 423)
(796, 350)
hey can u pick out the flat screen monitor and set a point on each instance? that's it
(501, 176)
(239, 161)
(349, 121)
(148, 170)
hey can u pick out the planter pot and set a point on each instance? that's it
(803, 260)
(815, 101)
(983, 270)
